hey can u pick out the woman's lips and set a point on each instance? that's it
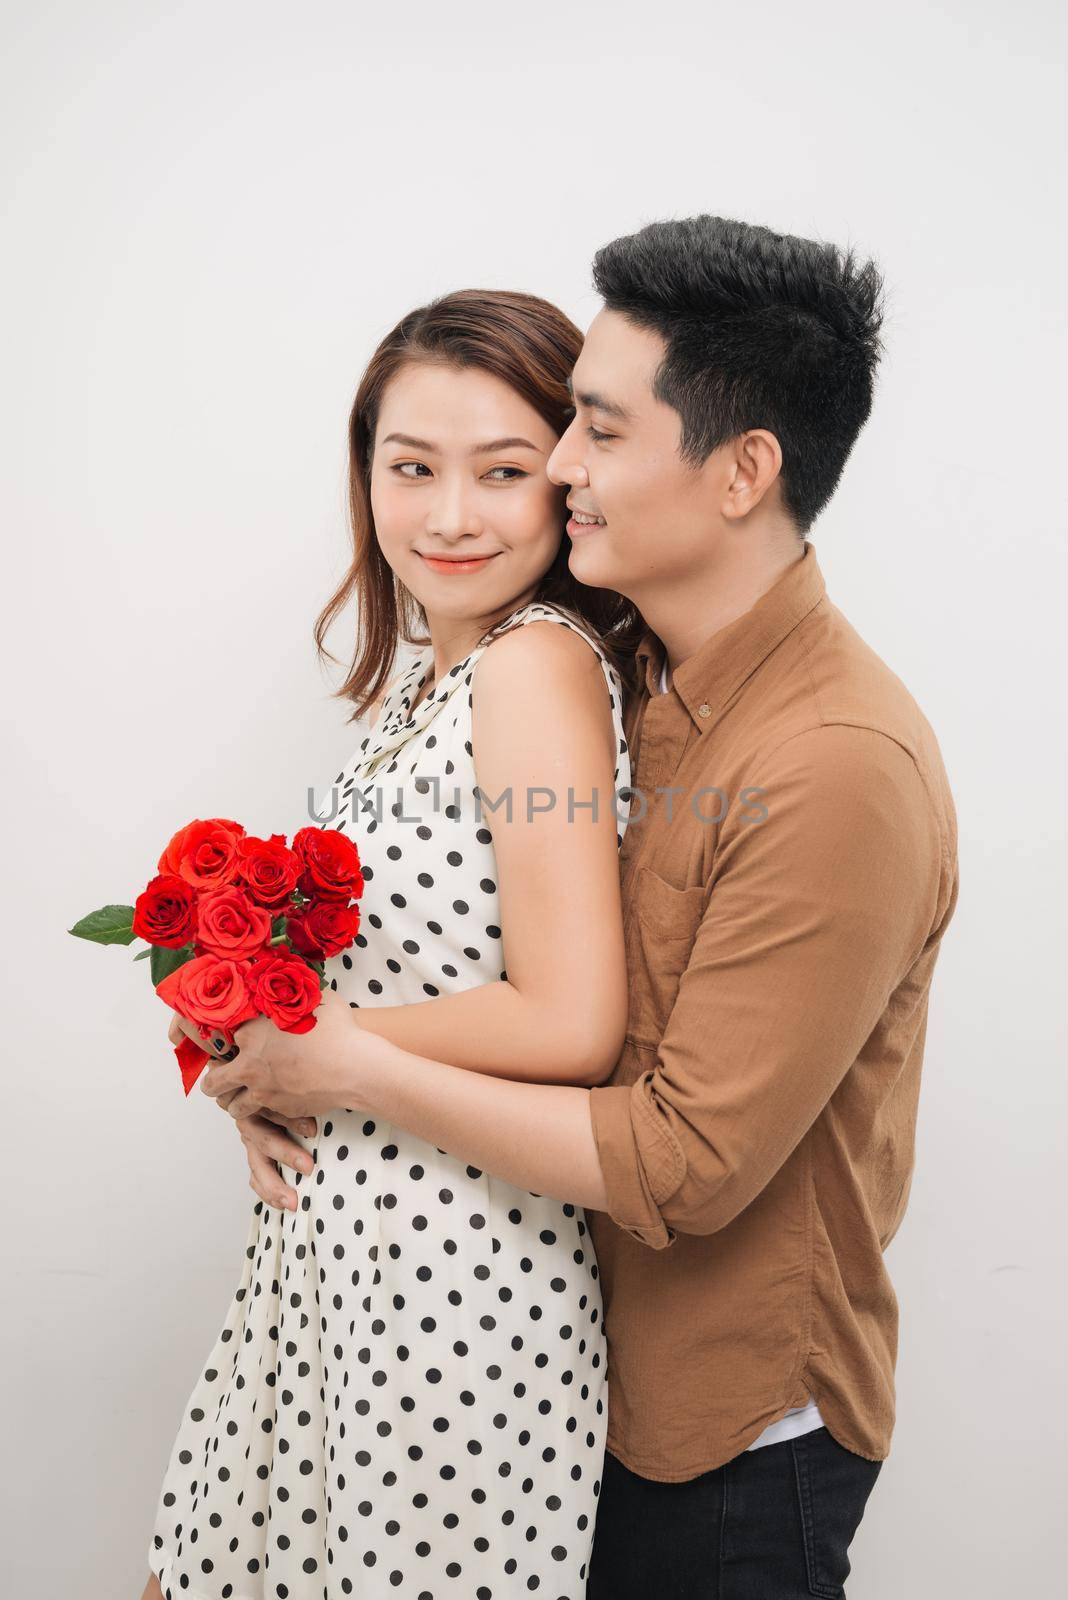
(438, 565)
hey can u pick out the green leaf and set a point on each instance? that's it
(142, 954)
(109, 925)
(319, 968)
(278, 928)
(164, 962)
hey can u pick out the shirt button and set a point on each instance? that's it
(704, 709)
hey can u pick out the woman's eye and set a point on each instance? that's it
(517, 472)
(402, 466)
(597, 435)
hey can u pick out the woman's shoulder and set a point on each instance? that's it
(545, 627)
(535, 650)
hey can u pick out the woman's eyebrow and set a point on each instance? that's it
(475, 450)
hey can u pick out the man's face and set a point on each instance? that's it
(656, 514)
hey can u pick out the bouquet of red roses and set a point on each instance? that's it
(239, 927)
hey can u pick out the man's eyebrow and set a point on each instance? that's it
(597, 402)
(488, 449)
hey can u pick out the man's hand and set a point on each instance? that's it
(298, 1074)
(267, 1147)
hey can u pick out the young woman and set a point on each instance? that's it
(409, 1392)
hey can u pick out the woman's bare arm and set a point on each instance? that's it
(564, 1003)
(541, 721)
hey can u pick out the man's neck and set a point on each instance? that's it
(685, 615)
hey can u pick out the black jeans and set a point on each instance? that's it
(773, 1524)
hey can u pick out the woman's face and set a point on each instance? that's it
(464, 512)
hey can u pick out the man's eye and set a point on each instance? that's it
(597, 435)
(420, 466)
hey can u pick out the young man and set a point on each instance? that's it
(788, 872)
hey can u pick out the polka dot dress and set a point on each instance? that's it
(409, 1394)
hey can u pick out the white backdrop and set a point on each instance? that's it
(213, 212)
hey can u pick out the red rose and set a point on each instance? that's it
(285, 989)
(230, 925)
(204, 853)
(331, 864)
(323, 929)
(211, 992)
(269, 868)
(166, 912)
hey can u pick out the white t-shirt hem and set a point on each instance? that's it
(802, 1419)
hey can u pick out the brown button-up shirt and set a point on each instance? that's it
(783, 911)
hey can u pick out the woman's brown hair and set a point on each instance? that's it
(532, 346)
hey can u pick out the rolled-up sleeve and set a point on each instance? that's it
(815, 915)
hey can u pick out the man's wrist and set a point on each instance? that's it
(365, 1070)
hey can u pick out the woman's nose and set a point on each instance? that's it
(452, 513)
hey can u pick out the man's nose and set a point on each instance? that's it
(565, 465)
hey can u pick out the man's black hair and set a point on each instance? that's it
(763, 330)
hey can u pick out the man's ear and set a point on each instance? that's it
(754, 465)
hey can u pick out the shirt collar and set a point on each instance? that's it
(712, 674)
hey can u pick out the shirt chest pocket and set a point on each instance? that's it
(660, 923)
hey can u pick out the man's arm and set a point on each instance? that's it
(536, 1136)
(815, 916)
